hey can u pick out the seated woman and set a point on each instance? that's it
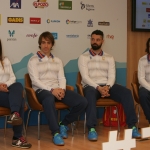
(11, 96)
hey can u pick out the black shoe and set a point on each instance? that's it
(21, 143)
(15, 119)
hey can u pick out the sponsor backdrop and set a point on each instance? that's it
(71, 22)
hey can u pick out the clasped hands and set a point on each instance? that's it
(3, 87)
(104, 90)
(59, 93)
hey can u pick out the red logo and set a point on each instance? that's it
(40, 4)
(35, 20)
(147, 9)
(110, 36)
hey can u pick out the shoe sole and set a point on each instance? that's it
(92, 139)
(21, 147)
(137, 137)
(59, 144)
(64, 137)
(15, 122)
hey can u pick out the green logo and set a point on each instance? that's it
(67, 5)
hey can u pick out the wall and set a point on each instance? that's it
(71, 29)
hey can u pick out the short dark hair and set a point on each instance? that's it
(98, 32)
(46, 35)
(147, 46)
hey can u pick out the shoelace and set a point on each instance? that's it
(22, 140)
(17, 114)
(93, 132)
(58, 136)
(64, 128)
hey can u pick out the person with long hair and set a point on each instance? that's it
(11, 96)
(144, 80)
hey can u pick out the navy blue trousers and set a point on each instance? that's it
(117, 93)
(144, 96)
(15, 101)
(76, 102)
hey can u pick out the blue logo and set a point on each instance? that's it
(148, 15)
(55, 35)
(90, 23)
(11, 33)
(15, 4)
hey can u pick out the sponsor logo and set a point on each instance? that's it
(143, 25)
(147, 9)
(66, 5)
(0, 19)
(11, 34)
(72, 22)
(53, 21)
(148, 21)
(35, 20)
(110, 36)
(104, 23)
(48, 21)
(15, 19)
(89, 36)
(40, 4)
(87, 6)
(144, 20)
(15, 4)
(148, 15)
(144, 3)
(72, 36)
(55, 35)
(90, 23)
(32, 35)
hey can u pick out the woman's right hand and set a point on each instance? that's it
(3, 87)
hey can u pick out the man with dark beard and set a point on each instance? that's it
(97, 69)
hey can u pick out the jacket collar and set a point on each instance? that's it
(40, 55)
(94, 54)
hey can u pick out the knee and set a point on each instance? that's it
(18, 86)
